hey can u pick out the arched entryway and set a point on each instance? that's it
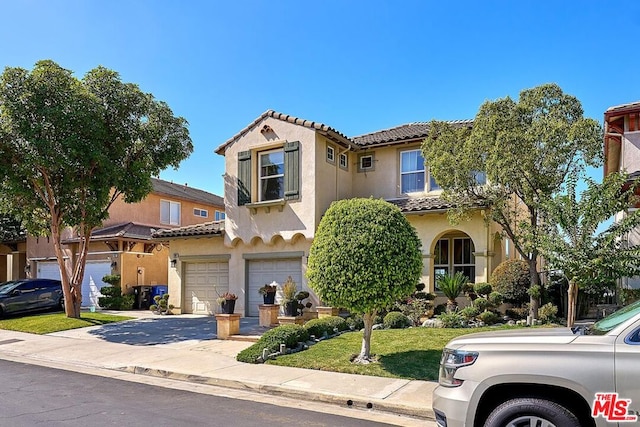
(452, 252)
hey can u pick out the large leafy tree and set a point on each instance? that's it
(70, 147)
(526, 148)
(574, 245)
(365, 256)
(10, 229)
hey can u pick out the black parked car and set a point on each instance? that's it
(24, 295)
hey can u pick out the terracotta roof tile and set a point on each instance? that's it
(420, 204)
(624, 107)
(213, 228)
(126, 230)
(327, 130)
(406, 132)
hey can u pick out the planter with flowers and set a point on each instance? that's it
(268, 293)
(227, 302)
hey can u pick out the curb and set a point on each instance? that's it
(335, 399)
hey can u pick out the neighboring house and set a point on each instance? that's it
(282, 173)
(123, 245)
(622, 153)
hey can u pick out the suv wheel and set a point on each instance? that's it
(529, 412)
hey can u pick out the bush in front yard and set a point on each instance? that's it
(328, 325)
(396, 320)
(289, 335)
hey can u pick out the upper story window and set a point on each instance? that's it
(331, 154)
(220, 216)
(344, 161)
(169, 212)
(278, 173)
(271, 185)
(203, 213)
(366, 162)
(413, 173)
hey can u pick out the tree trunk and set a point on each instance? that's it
(534, 300)
(572, 295)
(365, 352)
(72, 294)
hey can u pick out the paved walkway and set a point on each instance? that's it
(184, 348)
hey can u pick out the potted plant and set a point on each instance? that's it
(289, 301)
(228, 302)
(268, 293)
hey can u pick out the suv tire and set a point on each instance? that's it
(527, 411)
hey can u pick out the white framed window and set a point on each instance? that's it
(366, 162)
(169, 212)
(344, 161)
(271, 182)
(203, 213)
(412, 171)
(331, 154)
(220, 216)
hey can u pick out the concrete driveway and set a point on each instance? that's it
(150, 329)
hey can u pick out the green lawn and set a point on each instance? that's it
(402, 353)
(48, 323)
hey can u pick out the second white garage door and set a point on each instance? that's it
(267, 271)
(202, 280)
(92, 282)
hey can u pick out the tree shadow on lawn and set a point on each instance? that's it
(415, 364)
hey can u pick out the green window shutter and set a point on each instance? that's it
(292, 170)
(244, 178)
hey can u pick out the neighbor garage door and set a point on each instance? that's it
(203, 281)
(92, 282)
(267, 271)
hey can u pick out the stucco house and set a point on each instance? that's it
(124, 244)
(622, 153)
(281, 174)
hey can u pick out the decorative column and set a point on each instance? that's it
(269, 314)
(227, 325)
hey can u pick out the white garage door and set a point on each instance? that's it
(203, 281)
(267, 271)
(92, 282)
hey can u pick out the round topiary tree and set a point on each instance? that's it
(365, 256)
(512, 279)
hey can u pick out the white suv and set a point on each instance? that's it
(543, 377)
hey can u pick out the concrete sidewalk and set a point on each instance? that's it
(206, 360)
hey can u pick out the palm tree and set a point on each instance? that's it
(451, 286)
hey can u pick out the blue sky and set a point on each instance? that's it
(358, 66)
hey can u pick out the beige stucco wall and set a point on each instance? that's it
(214, 249)
(147, 211)
(331, 181)
(384, 180)
(296, 216)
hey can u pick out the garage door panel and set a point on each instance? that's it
(202, 279)
(262, 272)
(92, 282)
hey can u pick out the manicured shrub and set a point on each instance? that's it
(482, 288)
(396, 320)
(489, 317)
(326, 325)
(481, 303)
(289, 335)
(469, 312)
(452, 319)
(548, 313)
(355, 322)
(495, 299)
(512, 279)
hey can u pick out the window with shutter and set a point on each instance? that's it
(244, 178)
(292, 170)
